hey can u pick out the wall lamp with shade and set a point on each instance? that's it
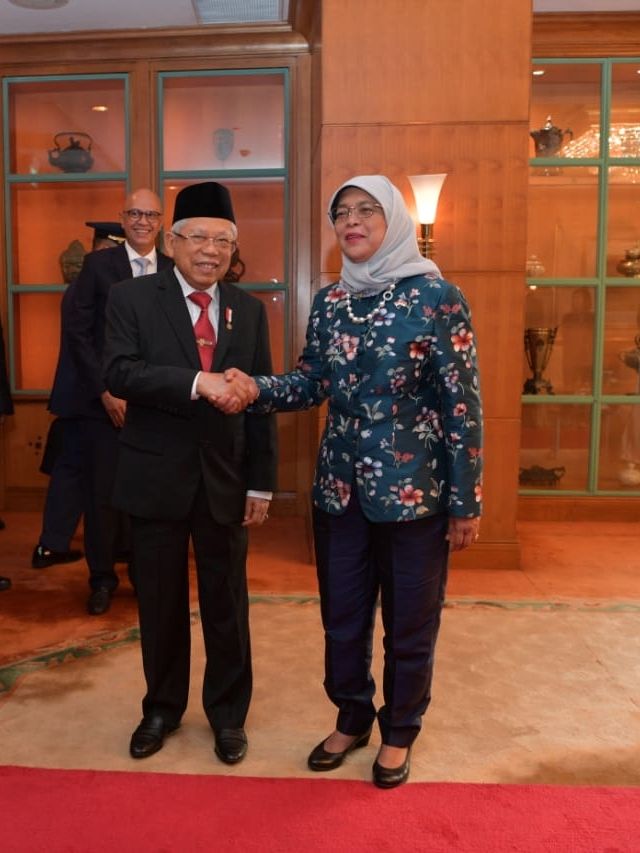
(426, 189)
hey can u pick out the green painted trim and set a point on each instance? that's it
(65, 78)
(552, 399)
(262, 71)
(68, 178)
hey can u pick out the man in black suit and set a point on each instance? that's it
(102, 414)
(186, 471)
(62, 458)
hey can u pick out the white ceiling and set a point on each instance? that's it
(152, 14)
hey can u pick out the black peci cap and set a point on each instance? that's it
(107, 231)
(207, 199)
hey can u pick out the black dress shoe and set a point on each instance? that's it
(230, 745)
(5, 583)
(149, 736)
(99, 601)
(319, 759)
(390, 777)
(44, 557)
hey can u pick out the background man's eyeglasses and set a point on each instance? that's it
(135, 213)
(364, 210)
(199, 240)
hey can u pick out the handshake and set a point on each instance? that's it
(231, 391)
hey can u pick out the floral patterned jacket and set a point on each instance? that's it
(404, 416)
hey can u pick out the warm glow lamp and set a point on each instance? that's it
(426, 189)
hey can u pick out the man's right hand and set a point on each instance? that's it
(115, 408)
(230, 392)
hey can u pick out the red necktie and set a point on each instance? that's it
(204, 331)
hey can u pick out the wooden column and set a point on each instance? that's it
(425, 86)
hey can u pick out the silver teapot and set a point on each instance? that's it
(548, 139)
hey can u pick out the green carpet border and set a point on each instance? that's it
(10, 674)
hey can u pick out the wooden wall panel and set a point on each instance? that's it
(445, 88)
(605, 34)
(501, 352)
(425, 61)
(483, 205)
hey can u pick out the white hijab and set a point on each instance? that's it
(398, 256)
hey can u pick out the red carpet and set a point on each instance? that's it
(78, 810)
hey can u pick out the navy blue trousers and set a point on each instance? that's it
(406, 564)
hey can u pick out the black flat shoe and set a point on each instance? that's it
(230, 745)
(149, 736)
(390, 777)
(43, 557)
(99, 601)
(319, 759)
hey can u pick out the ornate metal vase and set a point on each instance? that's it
(538, 344)
(631, 357)
(630, 264)
(548, 139)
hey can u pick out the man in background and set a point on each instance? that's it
(101, 413)
(62, 458)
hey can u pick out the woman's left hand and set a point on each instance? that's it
(462, 532)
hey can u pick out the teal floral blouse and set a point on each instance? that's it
(404, 420)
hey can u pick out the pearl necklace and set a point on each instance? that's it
(386, 296)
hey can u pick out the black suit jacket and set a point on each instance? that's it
(170, 443)
(85, 321)
(65, 398)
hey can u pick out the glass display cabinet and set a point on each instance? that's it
(66, 162)
(581, 359)
(231, 126)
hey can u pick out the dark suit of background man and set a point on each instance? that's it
(6, 408)
(62, 458)
(102, 414)
(186, 471)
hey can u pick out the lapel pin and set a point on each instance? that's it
(228, 318)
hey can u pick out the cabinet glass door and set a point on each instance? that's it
(581, 360)
(65, 163)
(231, 126)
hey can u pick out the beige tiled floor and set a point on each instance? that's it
(536, 680)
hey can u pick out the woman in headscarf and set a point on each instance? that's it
(398, 478)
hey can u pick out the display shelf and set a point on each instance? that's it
(66, 162)
(582, 203)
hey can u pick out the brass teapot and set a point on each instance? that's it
(548, 139)
(73, 158)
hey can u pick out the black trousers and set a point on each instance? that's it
(64, 501)
(406, 564)
(160, 561)
(106, 529)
